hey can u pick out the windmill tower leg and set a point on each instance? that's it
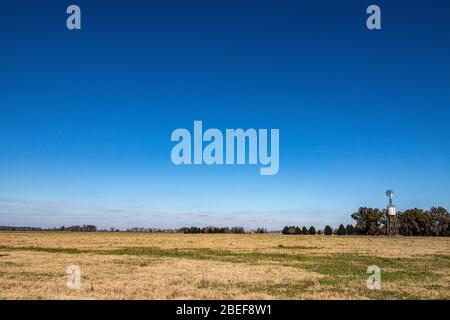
(392, 221)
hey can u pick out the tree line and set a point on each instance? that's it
(434, 222)
(76, 228)
(237, 230)
(341, 230)
(368, 221)
(412, 222)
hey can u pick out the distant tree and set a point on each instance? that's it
(368, 221)
(414, 222)
(211, 229)
(89, 228)
(341, 230)
(439, 222)
(190, 230)
(261, 230)
(289, 230)
(312, 230)
(298, 230)
(319, 232)
(304, 231)
(328, 231)
(237, 230)
(349, 229)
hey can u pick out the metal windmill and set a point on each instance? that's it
(392, 221)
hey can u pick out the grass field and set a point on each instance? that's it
(178, 266)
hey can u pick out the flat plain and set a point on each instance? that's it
(120, 265)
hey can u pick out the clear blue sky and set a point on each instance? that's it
(86, 116)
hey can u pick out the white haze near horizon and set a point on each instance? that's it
(47, 214)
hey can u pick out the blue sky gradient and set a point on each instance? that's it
(86, 116)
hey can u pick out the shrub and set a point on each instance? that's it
(350, 229)
(341, 230)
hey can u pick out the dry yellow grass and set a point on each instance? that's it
(177, 266)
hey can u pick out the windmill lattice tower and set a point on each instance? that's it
(392, 221)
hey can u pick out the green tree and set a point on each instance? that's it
(341, 230)
(238, 230)
(414, 222)
(349, 229)
(328, 231)
(439, 222)
(304, 231)
(289, 230)
(312, 230)
(368, 221)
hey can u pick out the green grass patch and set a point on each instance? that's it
(46, 250)
(296, 247)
